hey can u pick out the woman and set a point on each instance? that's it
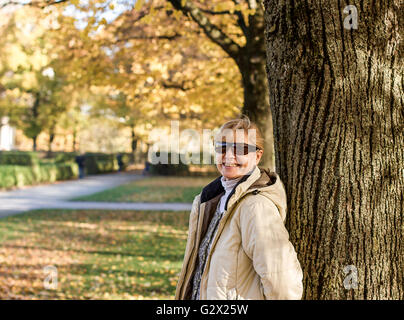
(238, 246)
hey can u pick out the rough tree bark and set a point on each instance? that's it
(337, 102)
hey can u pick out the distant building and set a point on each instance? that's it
(7, 135)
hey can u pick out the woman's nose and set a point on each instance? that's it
(229, 153)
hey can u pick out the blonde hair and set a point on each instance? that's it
(245, 124)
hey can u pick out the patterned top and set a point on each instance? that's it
(203, 252)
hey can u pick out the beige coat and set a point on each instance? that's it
(251, 256)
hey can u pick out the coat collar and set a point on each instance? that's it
(213, 189)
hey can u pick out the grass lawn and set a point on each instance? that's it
(98, 254)
(153, 189)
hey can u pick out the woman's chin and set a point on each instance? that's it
(231, 172)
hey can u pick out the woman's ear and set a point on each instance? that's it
(259, 155)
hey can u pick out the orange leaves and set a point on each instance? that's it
(159, 61)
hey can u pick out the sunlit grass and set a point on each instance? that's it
(153, 189)
(98, 254)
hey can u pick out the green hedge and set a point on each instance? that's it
(19, 168)
(169, 168)
(19, 176)
(63, 157)
(100, 163)
(20, 158)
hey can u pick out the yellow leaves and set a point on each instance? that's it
(91, 21)
(177, 14)
(177, 58)
(29, 81)
(196, 108)
(140, 68)
(103, 21)
(72, 43)
(232, 7)
(137, 68)
(139, 4)
(157, 66)
(224, 6)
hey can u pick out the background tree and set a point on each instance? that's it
(337, 100)
(32, 94)
(234, 26)
(151, 73)
(218, 20)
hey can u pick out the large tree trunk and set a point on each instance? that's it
(337, 103)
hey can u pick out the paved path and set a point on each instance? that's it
(55, 196)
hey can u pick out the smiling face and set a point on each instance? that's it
(231, 165)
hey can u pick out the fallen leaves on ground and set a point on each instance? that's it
(97, 254)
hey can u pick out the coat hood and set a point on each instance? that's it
(270, 185)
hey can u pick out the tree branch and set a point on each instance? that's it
(212, 32)
(177, 86)
(146, 37)
(215, 13)
(241, 21)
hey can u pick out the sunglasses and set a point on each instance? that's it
(240, 149)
